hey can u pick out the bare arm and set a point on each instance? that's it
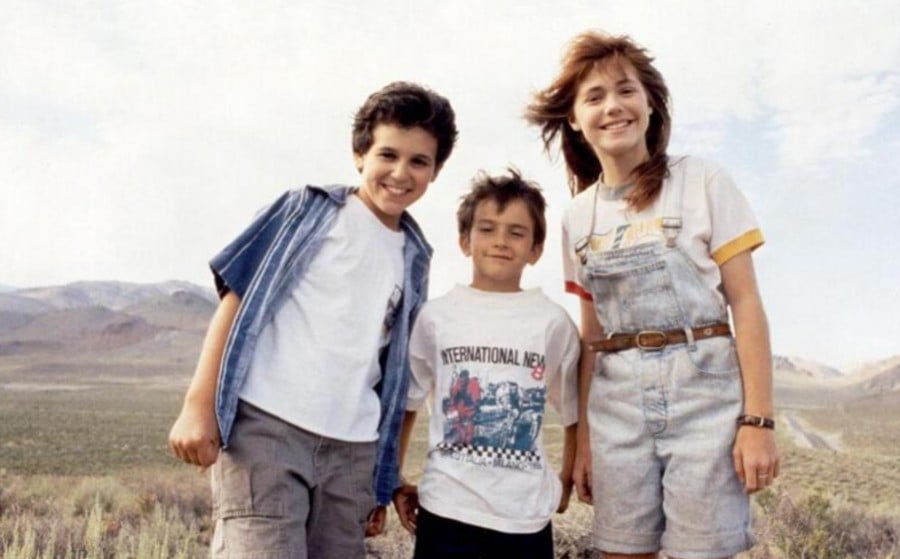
(590, 330)
(568, 465)
(406, 497)
(194, 437)
(756, 458)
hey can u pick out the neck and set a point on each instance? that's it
(619, 170)
(495, 286)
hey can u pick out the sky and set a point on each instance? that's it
(138, 138)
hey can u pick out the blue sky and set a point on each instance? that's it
(138, 138)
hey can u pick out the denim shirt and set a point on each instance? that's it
(264, 263)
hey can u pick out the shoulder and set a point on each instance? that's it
(435, 306)
(296, 198)
(555, 315)
(580, 205)
(701, 177)
(414, 233)
(693, 167)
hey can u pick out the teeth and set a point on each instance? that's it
(616, 125)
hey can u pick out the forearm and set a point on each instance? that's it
(755, 356)
(202, 390)
(568, 453)
(751, 331)
(409, 421)
(585, 376)
(590, 331)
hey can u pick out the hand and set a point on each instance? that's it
(194, 437)
(756, 458)
(375, 521)
(567, 484)
(582, 474)
(406, 503)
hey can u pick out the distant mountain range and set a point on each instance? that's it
(100, 316)
(157, 325)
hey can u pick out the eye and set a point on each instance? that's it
(421, 162)
(387, 155)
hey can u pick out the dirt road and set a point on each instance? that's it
(807, 438)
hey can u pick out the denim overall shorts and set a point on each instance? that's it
(662, 419)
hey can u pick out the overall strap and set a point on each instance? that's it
(672, 197)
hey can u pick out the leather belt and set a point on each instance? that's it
(655, 340)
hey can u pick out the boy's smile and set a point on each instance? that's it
(396, 170)
(500, 243)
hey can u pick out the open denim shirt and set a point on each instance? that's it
(263, 265)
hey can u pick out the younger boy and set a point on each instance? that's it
(491, 355)
(303, 373)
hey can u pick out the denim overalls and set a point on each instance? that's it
(662, 421)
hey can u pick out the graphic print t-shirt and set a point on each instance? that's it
(490, 363)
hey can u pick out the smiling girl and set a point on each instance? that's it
(676, 404)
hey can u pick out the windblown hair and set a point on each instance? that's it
(552, 109)
(406, 105)
(503, 189)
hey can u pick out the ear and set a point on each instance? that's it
(536, 252)
(649, 109)
(573, 124)
(464, 245)
(437, 170)
(358, 161)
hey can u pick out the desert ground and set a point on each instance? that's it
(92, 375)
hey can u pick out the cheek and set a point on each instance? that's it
(424, 178)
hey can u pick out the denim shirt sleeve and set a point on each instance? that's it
(234, 267)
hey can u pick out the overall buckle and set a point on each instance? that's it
(640, 340)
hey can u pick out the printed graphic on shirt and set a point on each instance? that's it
(391, 313)
(624, 235)
(493, 421)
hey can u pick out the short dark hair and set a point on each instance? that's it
(503, 189)
(406, 105)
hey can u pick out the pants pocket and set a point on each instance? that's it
(248, 502)
(715, 356)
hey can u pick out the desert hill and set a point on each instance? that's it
(127, 327)
(111, 328)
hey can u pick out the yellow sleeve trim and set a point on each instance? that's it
(748, 241)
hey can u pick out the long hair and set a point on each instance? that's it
(552, 108)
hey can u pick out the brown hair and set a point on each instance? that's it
(552, 108)
(503, 189)
(406, 105)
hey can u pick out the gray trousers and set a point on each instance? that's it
(282, 492)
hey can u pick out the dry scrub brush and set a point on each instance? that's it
(149, 517)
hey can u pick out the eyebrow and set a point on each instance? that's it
(488, 221)
(392, 149)
(624, 81)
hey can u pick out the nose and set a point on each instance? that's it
(400, 171)
(611, 104)
(499, 239)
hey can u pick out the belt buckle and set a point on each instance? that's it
(639, 342)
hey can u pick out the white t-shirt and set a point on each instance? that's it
(491, 361)
(717, 222)
(316, 363)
